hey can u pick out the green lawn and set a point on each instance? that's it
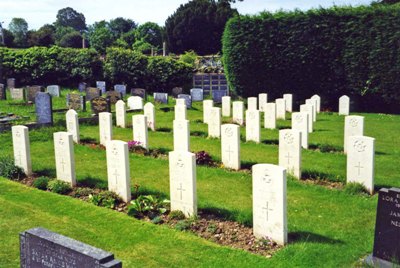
(327, 228)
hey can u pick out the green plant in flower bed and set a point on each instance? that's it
(9, 170)
(104, 199)
(176, 215)
(59, 187)
(355, 188)
(148, 205)
(41, 183)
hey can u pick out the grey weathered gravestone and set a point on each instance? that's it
(121, 89)
(226, 106)
(187, 98)
(21, 147)
(140, 92)
(218, 94)
(160, 97)
(31, 92)
(92, 92)
(101, 85)
(238, 112)
(387, 230)
(40, 248)
(2, 92)
(181, 135)
(17, 93)
(197, 94)
(150, 113)
(44, 108)
(105, 127)
(114, 96)
(54, 90)
(11, 83)
(290, 151)
(100, 105)
(176, 91)
(82, 86)
(230, 146)
(76, 102)
(71, 118)
(64, 157)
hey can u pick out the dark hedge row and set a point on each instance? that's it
(330, 52)
(69, 66)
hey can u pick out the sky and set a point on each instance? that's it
(39, 12)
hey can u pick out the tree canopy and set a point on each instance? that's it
(19, 28)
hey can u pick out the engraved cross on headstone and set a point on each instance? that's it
(229, 151)
(63, 164)
(116, 176)
(181, 190)
(288, 158)
(267, 209)
(359, 167)
(19, 155)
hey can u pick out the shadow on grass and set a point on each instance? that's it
(145, 191)
(317, 175)
(198, 133)
(247, 164)
(271, 142)
(325, 148)
(312, 238)
(321, 130)
(88, 140)
(228, 215)
(166, 109)
(46, 172)
(164, 129)
(92, 182)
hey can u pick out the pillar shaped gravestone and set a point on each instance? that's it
(308, 108)
(207, 105)
(253, 129)
(135, 103)
(288, 102)
(140, 134)
(182, 179)
(344, 105)
(105, 127)
(180, 102)
(237, 112)
(214, 123)
(226, 106)
(181, 135)
(120, 114)
(270, 116)
(360, 161)
(269, 202)
(71, 118)
(318, 98)
(150, 113)
(180, 111)
(64, 157)
(353, 126)
(230, 146)
(252, 103)
(313, 103)
(290, 151)
(118, 172)
(21, 147)
(262, 101)
(280, 109)
(300, 123)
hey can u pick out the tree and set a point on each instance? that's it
(120, 26)
(151, 33)
(45, 36)
(100, 38)
(198, 25)
(19, 28)
(8, 38)
(72, 39)
(68, 17)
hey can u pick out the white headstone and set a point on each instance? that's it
(361, 160)
(288, 102)
(313, 103)
(140, 134)
(226, 106)
(318, 98)
(17, 93)
(150, 113)
(280, 109)
(269, 203)
(344, 105)
(290, 151)
(252, 103)
(180, 102)
(207, 105)
(353, 126)
(253, 129)
(64, 157)
(180, 111)
(105, 127)
(21, 146)
(230, 146)
(214, 123)
(135, 103)
(71, 118)
(270, 116)
(237, 112)
(308, 108)
(300, 123)
(181, 135)
(120, 113)
(118, 173)
(262, 101)
(182, 179)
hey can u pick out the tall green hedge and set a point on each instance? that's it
(330, 52)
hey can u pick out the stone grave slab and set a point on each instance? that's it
(140, 134)
(270, 115)
(21, 148)
(353, 126)
(140, 92)
(114, 96)
(344, 105)
(238, 112)
(11, 83)
(262, 101)
(226, 106)
(150, 113)
(187, 98)
(120, 114)
(105, 127)
(71, 119)
(218, 94)
(64, 157)
(197, 94)
(280, 109)
(121, 89)
(181, 135)
(300, 123)
(82, 87)
(54, 90)
(17, 93)
(176, 91)
(44, 108)
(102, 86)
(76, 102)
(100, 105)
(92, 92)
(252, 103)
(214, 122)
(253, 129)
(290, 151)
(207, 105)
(230, 146)
(160, 97)
(31, 92)
(135, 103)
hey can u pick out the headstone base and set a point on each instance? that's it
(377, 262)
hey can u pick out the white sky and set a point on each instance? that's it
(40, 12)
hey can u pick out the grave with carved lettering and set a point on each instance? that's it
(288, 102)
(280, 109)
(64, 157)
(100, 105)
(226, 106)
(353, 126)
(105, 127)
(114, 96)
(290, 151)
(118, 171)
(269, 203)
(32, 91)
(187, 98)
(182, 179)
(44, 108)
(361, 161)
(238, 112)
(262, 101)
(252, 103)
(17, 93)
(253, 129)
(150, 113)
(121, 89)
(71, 118)
(344, 105)
(21, 148)
(76, 102)
(270, 115)
(54, 90)
(181, 135)
(196, 94)
(120, 114)
(214, 122)
(140, 134)
(207, 105)
(300, 123)
(160, 97)
(102, 86)
(230, 146)
(40, 247)
(92, 92)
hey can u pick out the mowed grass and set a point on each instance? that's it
(327, 228)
